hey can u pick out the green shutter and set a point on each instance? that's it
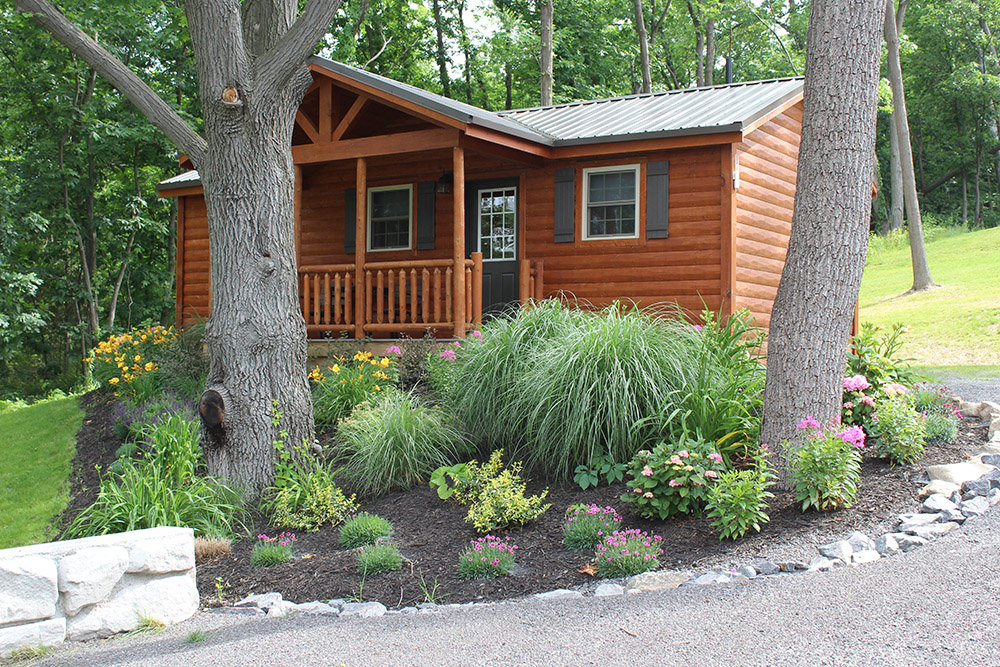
(657, 196)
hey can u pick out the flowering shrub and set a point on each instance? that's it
(270, 551)
(899, 429)
(737, 502)
(347, 382)
(127, 361)
(487, 558)
(671, 480)
(626, 553)
(364, 529)
(941, 415)
(859, 401)
(586, 525)
(379, 557)
(826, 464)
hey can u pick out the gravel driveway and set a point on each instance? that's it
(937, 605)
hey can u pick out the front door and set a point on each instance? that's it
(491, 228)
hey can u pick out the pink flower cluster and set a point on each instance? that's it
(632, 542)
(894, 388)
(855, 435)
(856, 383)
(448, 355)
(493, 542)
(285, 539)
(852, 435)
(393, 349)
(606, 514)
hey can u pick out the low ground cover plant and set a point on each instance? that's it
(269, 551)
(899, 429)
(396, 443)
(487, 558)
(626, 553)
(737, 501)
(826, 464)
(347, 382)
(673, 479)
(586, 525)
(364, 529)
(378, 557)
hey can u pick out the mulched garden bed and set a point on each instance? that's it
(431, 533)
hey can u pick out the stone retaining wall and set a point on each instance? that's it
(95, 586)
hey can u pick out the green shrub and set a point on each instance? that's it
(347, 382)
(940, 428)
(737, 502)
(876, 356)
(941, 415)
(364, 529)
(671, 480)
(826, 465)
(379, 557)
(626, 553)
(496, 496)
(586, 525)
(899, 429)
(487, 558)
(183, 363)
(602, 466)
(270, 551)
(397, 443)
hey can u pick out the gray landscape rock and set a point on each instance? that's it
(841, 550)
(558, 594)
(282, 609)
(260, 600)
(957, 473)
(87, 576)
(933, 531)
(969, 409)
(238, 611)
(994, 429)
(766, 567)
(793, 566)
(975, 506)
(28, 589)
(908, 542)
(991, 460)
(865, 556)
(908, 521)
(886, 545)
(994, 496)
(988, 410)
(938, 503)
(821, 564)
(747, 571)
(656, 581)
(336, 603)
(938, 486)
(861, 542)
(710, 578)
(408, 610)
(976, 487)
(607, 590)
(43, 633)
(952, 515)
(167, 599)
(363, 609)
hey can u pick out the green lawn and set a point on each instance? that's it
(957, 324)
(37, 444)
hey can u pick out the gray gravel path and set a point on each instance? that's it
(937, 605)
(973, 390)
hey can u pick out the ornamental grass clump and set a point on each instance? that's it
(673, 479)
(737, 501)
(626, 553)
(586, 525)
(364, 529)
(397, 443)
(269, 551)
(826, 465)
(378, 557)
(487, 558)
(899, 430)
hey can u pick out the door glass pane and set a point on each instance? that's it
(498, 223)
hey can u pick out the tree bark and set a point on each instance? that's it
(699, 47)
(545, 57)
(640, 29)
(440, 55)
(896, 175)
(918, 255)
(710, 52)
(814, 307)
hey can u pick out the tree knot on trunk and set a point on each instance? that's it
(231, 97)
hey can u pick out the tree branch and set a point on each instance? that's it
(281, 62)
(117, 74)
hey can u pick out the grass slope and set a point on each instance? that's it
(957, 324)
(37, 444)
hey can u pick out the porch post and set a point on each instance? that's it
(458, 239)
(360, 245)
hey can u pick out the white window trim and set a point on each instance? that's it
(586, 201)
(368, 235)
(479, 222)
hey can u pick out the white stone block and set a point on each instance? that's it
(28, 589)
(89, 575)
(172, 553)
(988, 410)
(168, 599)
(42, 633)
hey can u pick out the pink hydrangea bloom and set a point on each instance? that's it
(683, 454)
(711, 474)
(715, 456)
(856, 383)
(674, 482)
(848, 406)
(894, 388)
(647, 471)
(868, 400)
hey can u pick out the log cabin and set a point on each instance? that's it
(415, 213)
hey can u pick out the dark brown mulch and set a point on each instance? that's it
(431, 533)
(96, 445)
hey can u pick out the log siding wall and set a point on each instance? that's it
(768, 165)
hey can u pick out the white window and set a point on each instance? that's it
(390, 215)
(611, 202)
(497, 224)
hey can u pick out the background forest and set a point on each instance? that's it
(87, 248)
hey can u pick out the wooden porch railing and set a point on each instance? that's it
(531, 281)
(397, 297)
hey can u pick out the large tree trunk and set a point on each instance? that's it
(640, 29)
(710, 52)
(918, 255)
(545, 57)
(810, 323)
(896, 176)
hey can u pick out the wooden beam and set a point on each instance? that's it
(458, 238)
(501, 139)
(388, 144)
(180, 192)
(501, 151)
(360, 245)
(179, 297)
(645, 145)
(348, 120)
(325, 108)
(307, 126)
(728, 261)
